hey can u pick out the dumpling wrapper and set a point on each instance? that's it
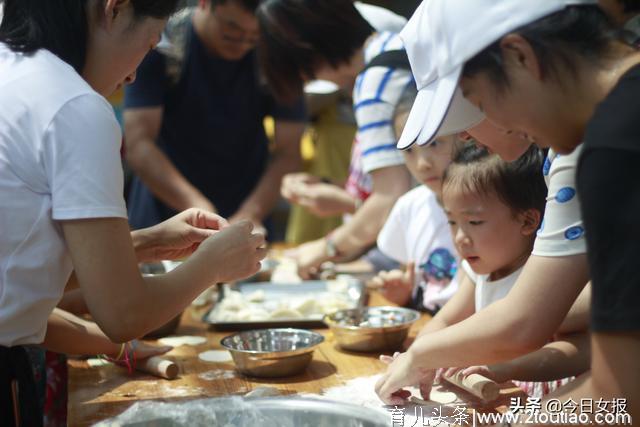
(215, 356)
(437, 396)
(177, 341)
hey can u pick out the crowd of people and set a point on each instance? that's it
(490, 181)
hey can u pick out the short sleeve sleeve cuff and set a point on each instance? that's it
(81, 156)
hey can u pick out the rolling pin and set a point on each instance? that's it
(476, 384)
(159, 367)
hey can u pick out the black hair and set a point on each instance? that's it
(405, 103)
(250, 5)
(297, 36)
(519, 184)
(630, 6)
(575, 32)
(61, 26)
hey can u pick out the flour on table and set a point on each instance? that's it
(182, 340)
(180, 391)
(215, 356)
(217, 374)
(361, 391)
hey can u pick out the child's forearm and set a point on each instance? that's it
(432, 325)
(560, 359)
(69, 334)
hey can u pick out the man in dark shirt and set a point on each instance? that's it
(194, 121)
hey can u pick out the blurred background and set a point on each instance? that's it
(403, 7)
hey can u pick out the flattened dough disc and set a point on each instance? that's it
(215, 356)
(182, 340)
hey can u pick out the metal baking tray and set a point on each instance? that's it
(354, 290)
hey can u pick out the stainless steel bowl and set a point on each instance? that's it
(371, 329)
(272, 352)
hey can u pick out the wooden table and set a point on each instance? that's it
(98, 393)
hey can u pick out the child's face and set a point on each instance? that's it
(486, 232)
(427, 163)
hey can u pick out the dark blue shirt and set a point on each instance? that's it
(212, 127)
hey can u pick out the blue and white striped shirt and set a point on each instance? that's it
(375, 95)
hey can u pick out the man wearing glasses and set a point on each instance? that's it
(194, 121)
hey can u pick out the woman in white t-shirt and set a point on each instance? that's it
(61, 188)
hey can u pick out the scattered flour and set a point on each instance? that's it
(181, 391)
(361, 391)
(217, 374)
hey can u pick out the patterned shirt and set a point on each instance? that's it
(562, 231)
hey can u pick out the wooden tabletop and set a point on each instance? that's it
(98, 393)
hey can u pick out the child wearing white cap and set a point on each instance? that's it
(416, 233)
(579, 83)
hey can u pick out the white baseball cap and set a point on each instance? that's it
(439, 38)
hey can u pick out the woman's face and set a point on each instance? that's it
(118, 42)
(507, 145)
(533, 107)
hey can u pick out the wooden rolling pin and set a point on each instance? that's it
(159, 367)
(476, 384)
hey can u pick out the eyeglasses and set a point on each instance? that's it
(233, 32)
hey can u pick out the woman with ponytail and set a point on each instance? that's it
(61, 188)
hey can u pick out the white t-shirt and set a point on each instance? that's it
(417, 230)
(375, 95)
(376, 92)
(562, 231)
(59, 160)
(488, 292)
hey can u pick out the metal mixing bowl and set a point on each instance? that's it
(272, 352)
(371, 328)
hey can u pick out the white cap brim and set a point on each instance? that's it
(434, 112)
(461, 115)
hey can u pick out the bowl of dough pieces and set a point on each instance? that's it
(272, 353)
(370, 329)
